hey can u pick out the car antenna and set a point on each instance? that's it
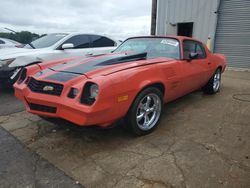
(16, 33)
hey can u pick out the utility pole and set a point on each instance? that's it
(153, 17)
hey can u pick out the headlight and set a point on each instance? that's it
(90, 93)
(94, 90)
(6, 62)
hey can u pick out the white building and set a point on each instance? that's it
(226, 22)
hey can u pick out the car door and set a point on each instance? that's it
(171, 69)
(194, 70)
(101, 45)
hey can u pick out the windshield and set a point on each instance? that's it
(155, 47)
(46, 41)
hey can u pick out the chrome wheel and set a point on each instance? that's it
(148, 111)
(216, 81)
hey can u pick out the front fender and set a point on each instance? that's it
(130, 83)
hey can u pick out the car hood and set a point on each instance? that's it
(96, 66)
(8, 53)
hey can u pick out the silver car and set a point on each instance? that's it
(8, 43)
(51, 47)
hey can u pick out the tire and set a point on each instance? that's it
(145, 113)
(213, 85)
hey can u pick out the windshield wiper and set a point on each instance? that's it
(31, 45)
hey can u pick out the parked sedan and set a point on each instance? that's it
(131, 83)
(8, 43)
(51, 47)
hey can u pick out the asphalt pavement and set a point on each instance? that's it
(19, 166)
(202, 141)
(9, 104)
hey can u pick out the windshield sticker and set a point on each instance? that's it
(169, 42)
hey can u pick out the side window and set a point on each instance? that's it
(188, 47)
(200, 50)
(100, 41)
(193, 47)
(79, 41)
(2, 42)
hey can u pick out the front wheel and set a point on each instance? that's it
(213, 86)
(145, 112)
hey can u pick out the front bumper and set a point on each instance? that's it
(66, 108)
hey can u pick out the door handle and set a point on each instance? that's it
(89, 54)
(209, 63)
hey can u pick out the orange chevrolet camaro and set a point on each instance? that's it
(132, 83)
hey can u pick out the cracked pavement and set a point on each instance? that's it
(22, 168)
(202, 141)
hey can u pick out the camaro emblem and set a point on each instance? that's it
(48, 88)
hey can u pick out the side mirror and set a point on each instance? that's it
(192, 55)
(67, 46)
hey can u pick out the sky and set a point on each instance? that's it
(117, 18)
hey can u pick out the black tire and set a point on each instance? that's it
(132, 115)
(210, 88)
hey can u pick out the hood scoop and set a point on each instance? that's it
(101, 62)
(94, 64)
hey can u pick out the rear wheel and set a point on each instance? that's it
(145, 112)
(213, 86)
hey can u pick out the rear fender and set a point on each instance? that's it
(221, 59)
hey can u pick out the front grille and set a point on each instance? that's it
(42, 108)
(40, 87)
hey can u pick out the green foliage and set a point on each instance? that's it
(23, 37)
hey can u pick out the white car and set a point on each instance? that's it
(8, 43)
(51, 47)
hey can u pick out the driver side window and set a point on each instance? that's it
(79, 41)
(193, 47)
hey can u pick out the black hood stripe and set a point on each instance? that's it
(104, 61)
(62, 76)
(97, 63)
(55, 67)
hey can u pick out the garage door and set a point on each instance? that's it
(233, 32)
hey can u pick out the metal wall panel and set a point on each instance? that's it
(161, 17)
(233, 32)
(201, 12)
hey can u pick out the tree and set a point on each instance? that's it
(23, 37)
